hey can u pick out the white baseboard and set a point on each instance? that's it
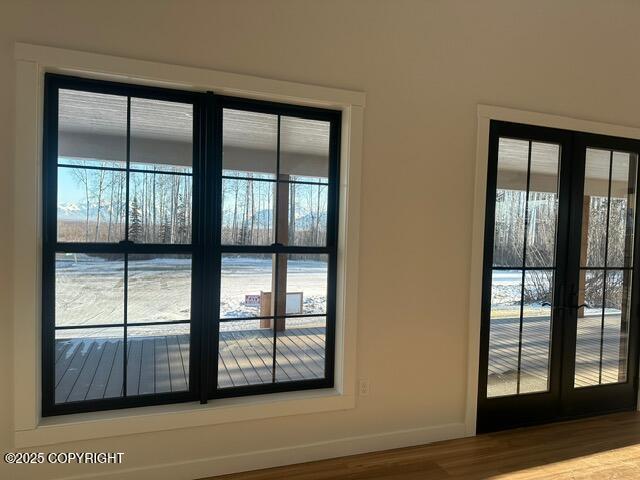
(220, 465)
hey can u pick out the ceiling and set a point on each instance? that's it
(513, 157)
(103, 114)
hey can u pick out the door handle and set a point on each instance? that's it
(547, 304)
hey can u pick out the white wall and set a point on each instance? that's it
(424, 65)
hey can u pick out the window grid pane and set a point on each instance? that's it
(140, 203)
(525, 224)
(296, 201)
(138, 195)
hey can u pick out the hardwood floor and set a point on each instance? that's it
(606, 447)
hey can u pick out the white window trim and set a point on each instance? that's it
(30, 429)
(486, 113)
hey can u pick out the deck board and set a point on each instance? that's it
(147, 370)
(134, 362)
(162, 375)
(114, 383)
(99, 382)
(177, 372)
(92, 368)
(503, 358)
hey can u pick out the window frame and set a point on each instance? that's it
(333, 117)
(53, 84)
(206, 228)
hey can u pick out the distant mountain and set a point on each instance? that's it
(306, 222)
(78, 211)
(264, 219)
(71, 211)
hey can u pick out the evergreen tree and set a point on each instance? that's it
(181, 221)
(135, 222)
(165, 230)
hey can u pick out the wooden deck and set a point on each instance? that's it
(92, 368)
(503, 353)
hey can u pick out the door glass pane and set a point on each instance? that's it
(622, 209)
(542, 204)
(595, 207)
(526, 218)
(511, 199)
(506, 294)
(615, 330)
(589, 328)
(607, 243)
(536, 330)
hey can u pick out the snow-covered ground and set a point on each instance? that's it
(506, 294)
(90, 291)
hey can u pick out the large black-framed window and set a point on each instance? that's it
(189, 246)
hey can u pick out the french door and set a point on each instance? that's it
(559, 305)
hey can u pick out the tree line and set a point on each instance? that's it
(509, 238)
(249, 212)
(160, 207)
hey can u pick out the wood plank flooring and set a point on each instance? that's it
(92, 368)
(599, 448)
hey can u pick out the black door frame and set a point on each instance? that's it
(498, 413)
(606, 398)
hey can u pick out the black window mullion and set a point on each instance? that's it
(332, 243)
(276, 237)
(123, 247)
(275, 298)
(212, 239)
(128, 162)
(118, 169)
(49, 217)
(605, 271)
(524, 263)
(276, 248)
(125, 351)
(273, 180)
(197, 264)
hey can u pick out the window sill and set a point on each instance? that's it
(85, 426)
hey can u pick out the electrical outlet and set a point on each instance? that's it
(364, 387)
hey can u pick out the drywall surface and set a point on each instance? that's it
(424, 65)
